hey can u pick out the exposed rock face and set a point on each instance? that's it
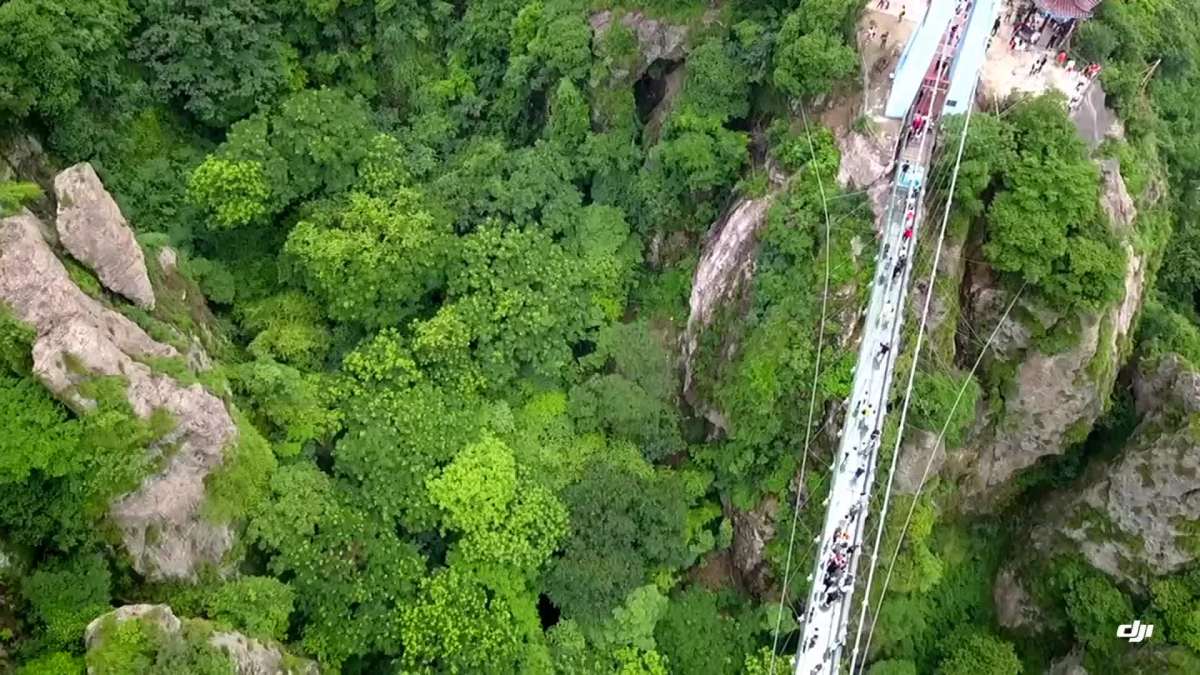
(92, 229)
(1051, 395)
(657, 40)
(1134, 517)
(725, 268)
(866, 164)
(249, 656)
(1015, 608)
(252, 657)
(78, 338)
(1071, 664)
(1114, 197)
(752, 531)
(914, 457)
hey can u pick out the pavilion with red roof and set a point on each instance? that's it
(1064, 10)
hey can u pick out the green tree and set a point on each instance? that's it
(55, 49)
(39, 434)
(698, 155)
(1043, 222)
(189, 48)
(717, 83)
(352, 576)
(373, 260)
(697, 634)
(524, 302)
(505, 519)
(55, 663)
(258, 606)
(1178, 598)
(810, 64)
(234, 192)
(16, 194)
(459, 625)
(286, 327)
(570, 118)
(893, 667)
(311, 144)
(933, 399)
(1093, 604)
(623, 527)
(979, 653)
(66, 595)
(292, 407)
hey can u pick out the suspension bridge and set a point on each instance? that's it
(935, 77)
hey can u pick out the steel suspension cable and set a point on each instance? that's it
(812, 395)
(929, 466)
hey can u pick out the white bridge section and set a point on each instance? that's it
(917, 56)
(830, 602)
(964, 74)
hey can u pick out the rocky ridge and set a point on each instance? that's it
(78, 338)
(1054, 396)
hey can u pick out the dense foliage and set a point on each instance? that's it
(448, 249)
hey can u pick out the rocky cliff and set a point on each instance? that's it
(79, 337)
(1139, 515)
(1053, 370)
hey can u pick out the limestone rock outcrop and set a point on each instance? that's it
(91, 227)
(248, 656)
(752, 531)
(78, 338)
(1115, 200)
(866, 164)
(656, 40)
(725, 269)
(1015, 608)
(1135, 517)
(915, 457)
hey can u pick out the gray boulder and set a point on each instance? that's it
(1015, 608)
(78, 338)
(1071, 664)
(251, 657)
(92, 229)
(248, 656)
(920, 451)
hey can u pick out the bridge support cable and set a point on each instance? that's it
(854, 655)
(812, 394)
(929, 466)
